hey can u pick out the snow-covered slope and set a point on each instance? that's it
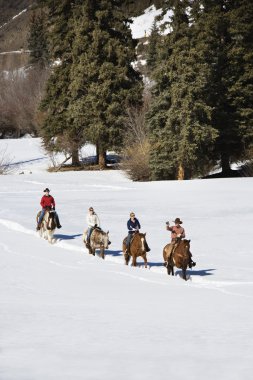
(141, 26)
(66, 315)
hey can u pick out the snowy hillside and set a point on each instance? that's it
(66, 315)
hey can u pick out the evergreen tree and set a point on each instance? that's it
(103, 81)
(37, 40)
(240, 56)
(152, 50)
(58, 131)
(226, 26)
(180, 127)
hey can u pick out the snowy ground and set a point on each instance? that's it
(66, 315)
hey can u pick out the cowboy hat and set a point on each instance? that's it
(178, 221)
(46, 189)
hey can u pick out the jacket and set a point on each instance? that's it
(176, 231)
(92, 219)
(133, 225)
(47, 201)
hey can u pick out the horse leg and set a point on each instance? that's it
(102, 252)
(168, 269)
(127, 258)
(134, 261)
(184, 273)
(145, 260)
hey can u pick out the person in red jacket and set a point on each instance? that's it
(47, 201)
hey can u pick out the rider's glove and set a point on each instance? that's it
(179, 235)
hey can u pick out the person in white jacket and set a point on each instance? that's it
(92, 221)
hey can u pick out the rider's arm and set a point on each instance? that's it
(52, 201)
(183, 233)
(97, 221)
(129, 226)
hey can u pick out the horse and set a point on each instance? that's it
(180, 257)
(48, 225)
(138, 247)
(98, 240)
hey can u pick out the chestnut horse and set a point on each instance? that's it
(98, 240)
(48, 225)
(138, 247)
(180, 257)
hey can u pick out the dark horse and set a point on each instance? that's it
(180, 257)
(138, 247)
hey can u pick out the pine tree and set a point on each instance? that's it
(152, 50)
(103, 81)
(37, 40)
(180, 127)
(58, 131)
(226, 26)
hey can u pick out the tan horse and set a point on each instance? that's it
(98, 240)
(138, 247)
(180, 257)
(48, 225)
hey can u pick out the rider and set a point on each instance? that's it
(92, 221)
(47, 201)
(133, 226)
(177, 233)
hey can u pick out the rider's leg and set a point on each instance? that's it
(147, 249)
(128, 240)
(41, 218)
(191, 262)
(89, 231)
(57, 220)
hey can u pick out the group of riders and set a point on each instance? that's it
(133, 225)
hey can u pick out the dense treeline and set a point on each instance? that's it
(94, 83)
(202, 100)
(200, 111)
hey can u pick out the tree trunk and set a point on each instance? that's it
(180, 173)
(102, 158)
(97, 154)
(75, 157)
(225, 165)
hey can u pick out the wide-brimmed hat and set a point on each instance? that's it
(178, 221)
(46, 189)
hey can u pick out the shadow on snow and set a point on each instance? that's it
(66, 237)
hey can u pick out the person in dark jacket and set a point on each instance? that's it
(133, 226)
(47, 201)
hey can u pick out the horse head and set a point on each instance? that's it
(142, 237)
(51, 224)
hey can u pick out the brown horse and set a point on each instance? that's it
(98, 240)
(138, 247)
(180, 257)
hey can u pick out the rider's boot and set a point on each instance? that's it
(192, 264)
(38, 227)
